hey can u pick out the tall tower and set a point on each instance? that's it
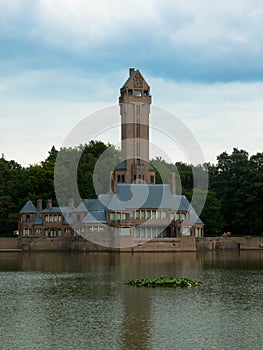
(134, 101)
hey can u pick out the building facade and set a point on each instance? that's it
(137, 209)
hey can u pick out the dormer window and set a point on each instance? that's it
(138, 93)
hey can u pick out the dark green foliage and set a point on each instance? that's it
(164, 281)
(234, 199)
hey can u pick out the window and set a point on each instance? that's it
(28, 218)
(138, 93)
(171, 216)
(138, 149)
(123, 178)
(118, 216)
(186, 231)
(164, 214)
(131, 214)
(129, 92)
(125, 231)
(137, 214)
(145, 93)
(137, 129)
(124, 216)
(137, 232)
(112, 216)
(154, 214)
(101, 228)
(142, 214)
(182, 216)
(148, 214)
(138, 161)
(148, 232)
(152, 179)
(154, 232)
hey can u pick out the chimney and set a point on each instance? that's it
(71, 203)
(49, 203)
(131, 71)
(39, 204)
(173, 183)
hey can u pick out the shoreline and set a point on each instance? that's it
(178, 244)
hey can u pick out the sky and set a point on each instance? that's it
(63, 60)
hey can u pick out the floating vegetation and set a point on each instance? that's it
(163, 281)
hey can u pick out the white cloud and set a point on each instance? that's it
(221, 116)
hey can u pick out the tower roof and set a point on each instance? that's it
(29, 208)
(135, 80)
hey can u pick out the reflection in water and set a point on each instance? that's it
(79, 301)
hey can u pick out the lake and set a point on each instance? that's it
(79, 301)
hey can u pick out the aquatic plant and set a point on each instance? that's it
(163, 281)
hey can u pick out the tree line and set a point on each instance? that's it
(234, 200)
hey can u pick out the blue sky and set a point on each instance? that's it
(61, 60)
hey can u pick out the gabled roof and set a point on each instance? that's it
(121, 166)
(95, 216)
(132, 196)
(29, 208)
(132, 75)
(37, 219)
(87, 204)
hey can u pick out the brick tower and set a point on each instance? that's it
(134, 101)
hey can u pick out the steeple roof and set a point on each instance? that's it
(29, 208)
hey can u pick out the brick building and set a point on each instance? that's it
(137, 209)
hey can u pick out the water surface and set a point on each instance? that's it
(79, 301)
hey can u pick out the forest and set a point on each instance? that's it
(234, 201)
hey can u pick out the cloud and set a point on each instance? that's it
(220, 116)
(204, 40)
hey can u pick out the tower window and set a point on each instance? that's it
(28, 218)
(138, 93)
(137, 129)
(138, 161)
(138, 149)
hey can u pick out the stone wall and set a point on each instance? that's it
(157, 245)
(9, 243)
(214, 243)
